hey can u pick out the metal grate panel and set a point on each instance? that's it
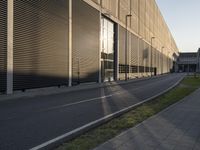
(3, 44)
(134, 50)
(85, 49)
(40, 43)
(122, 45)
(141, 53)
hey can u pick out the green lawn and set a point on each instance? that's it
(114, 127)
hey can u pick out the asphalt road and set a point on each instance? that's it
(28, 122)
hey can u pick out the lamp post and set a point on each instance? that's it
(168, 67)
(126, 47)
(152, 54)
(162, 60)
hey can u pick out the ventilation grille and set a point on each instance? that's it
(3, 44)
(40, 43)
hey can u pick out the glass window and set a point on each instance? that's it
(107, 49)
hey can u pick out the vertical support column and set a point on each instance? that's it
(168, 62)
(159, 62)
(130, 42)
(118, 13)
(144, 47)
(149, 60)
(138, 57)
(10, 18)
(117, 52)
(117, 44)
(70, 43)
(117, 9)
(138, 38)
(144, 59)
(129, 54)
(100, 46)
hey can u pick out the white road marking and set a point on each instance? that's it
(79, 102)
(92, 99)
(41, 146)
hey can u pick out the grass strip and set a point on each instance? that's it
(109, 130)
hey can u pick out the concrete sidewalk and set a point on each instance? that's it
(175, 128)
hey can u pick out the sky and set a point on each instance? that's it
(183, 20)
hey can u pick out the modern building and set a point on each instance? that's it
(67, 42)
(188, 62)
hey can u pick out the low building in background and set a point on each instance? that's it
(188, 62)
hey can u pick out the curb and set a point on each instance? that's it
(74, 133)
(53, 90)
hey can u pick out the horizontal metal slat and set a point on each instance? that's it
(3, 44)
(85, 51)
(40, 43)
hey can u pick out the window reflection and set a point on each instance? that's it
(107, 52)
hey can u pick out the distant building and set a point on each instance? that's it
(188, 62)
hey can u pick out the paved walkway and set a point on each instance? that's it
(176, 128)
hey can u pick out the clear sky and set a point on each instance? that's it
(183, 19)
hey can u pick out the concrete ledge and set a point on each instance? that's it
(63, 89)
(74, 133)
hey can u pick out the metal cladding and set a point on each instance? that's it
(134, 54)
(59, 42)
(121, 52)
(3, 45)
(85, 42)
(40, 43)
(146, 22)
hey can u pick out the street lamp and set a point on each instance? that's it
(162, 60)
(168, 62)
(126, 47)
(152, 53)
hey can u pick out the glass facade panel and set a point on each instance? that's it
(107, 51)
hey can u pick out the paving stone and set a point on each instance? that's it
(122, 139)
(187, 140)
(135, 146)
(196, 146)
(165, 146)
(153, 142)
(176, 128)
(106, 147)
(183, 147)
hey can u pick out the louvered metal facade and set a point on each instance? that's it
(3, 44)
(147, 58)
(59, 42)
(85, 43)
(134, 55)
(40, 43)
(141, 56)
(121, 52)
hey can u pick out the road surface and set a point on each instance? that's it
(28, 122)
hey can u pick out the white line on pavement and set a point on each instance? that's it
(79, 102)
(41, 146)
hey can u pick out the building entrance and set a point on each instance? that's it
(107, 51)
